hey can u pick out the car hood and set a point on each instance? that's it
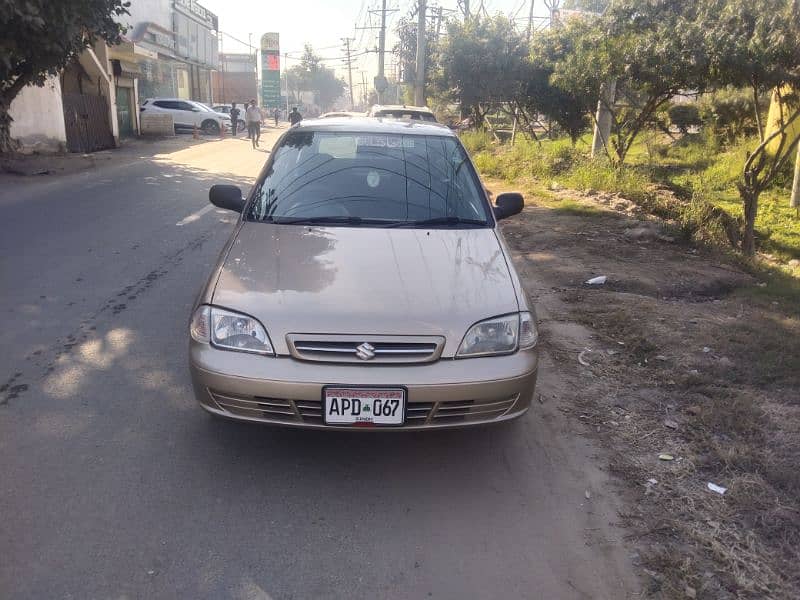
(367, 281)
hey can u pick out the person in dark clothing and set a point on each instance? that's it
(295, 117)
(234, 118)
(276, 114)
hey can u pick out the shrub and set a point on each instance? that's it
(730, 111)
(476, 141)
(684, 115)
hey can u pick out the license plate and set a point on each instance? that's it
(364, 406)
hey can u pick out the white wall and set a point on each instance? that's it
(38, 115)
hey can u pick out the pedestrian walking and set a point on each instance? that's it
(295, 117)
(253, 117)
(276, 114)
(234, 118)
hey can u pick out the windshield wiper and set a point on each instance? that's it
(452, 220)
(338, 220)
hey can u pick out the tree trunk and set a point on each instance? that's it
(750, 200)
(7, 145)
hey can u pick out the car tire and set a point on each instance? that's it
(210, 127)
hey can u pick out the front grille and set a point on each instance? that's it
(310, 411)
(257, 407)
(472, 410)
(365, 349)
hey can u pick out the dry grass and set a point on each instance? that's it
(681, 338)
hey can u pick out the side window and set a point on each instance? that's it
(162, 104)
(184, 106)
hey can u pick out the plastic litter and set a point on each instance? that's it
(652, 481)
(666, 457)
(597, 280)
(581, 359)
(706, 349)
(716, 488)
(670, 424)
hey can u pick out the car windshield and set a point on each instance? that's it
(370, 179)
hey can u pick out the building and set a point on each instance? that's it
(77, 110)
(177, 42)
(169, 49)
(235, 81)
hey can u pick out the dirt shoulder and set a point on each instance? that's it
(682, 356)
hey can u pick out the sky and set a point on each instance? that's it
(323, 24)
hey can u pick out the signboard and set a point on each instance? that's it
(270, 71)
(199, 12)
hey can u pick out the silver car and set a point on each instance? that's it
(365, 286)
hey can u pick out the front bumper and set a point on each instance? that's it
(285, 391)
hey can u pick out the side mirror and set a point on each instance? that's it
(228, 197)
(508, 205)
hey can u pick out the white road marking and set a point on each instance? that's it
(194, 216)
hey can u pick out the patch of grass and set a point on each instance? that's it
(699, 170)
(577, 209)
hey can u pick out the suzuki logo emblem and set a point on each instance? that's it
(365, 351)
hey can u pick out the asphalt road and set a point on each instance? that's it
(114, 484)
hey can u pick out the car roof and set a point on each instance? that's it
(375, 125)
(401, 107)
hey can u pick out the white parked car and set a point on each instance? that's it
(187, 114)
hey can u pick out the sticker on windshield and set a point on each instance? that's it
(338, 146)
(373, 179)
(380, 141)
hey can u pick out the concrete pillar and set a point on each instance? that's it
(603, 119)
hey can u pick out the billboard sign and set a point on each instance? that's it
(270, 71)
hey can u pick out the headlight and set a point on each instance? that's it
(499, 335)
(492, 336)
(230, 330)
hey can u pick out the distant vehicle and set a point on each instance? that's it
(187, 114)
(414, 113)
(225, 109)
(366, 285)
(333, 115)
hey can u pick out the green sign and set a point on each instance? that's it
(270, 71)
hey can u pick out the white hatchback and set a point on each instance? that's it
(187, 114)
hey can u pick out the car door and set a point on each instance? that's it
(164, 107)
(187, 115)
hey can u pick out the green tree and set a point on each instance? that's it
(754, 44)
(568, 109)
(312, 76)
(482, 63)
(40, 37)
(652, 50)
(594, 6)
(406, 47)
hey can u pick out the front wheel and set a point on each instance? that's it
(210, 127)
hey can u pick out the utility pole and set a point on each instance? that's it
(364, 87)
(380, 80)
(419, 83)
(349, 62)
(603, 118)
(530, 22)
